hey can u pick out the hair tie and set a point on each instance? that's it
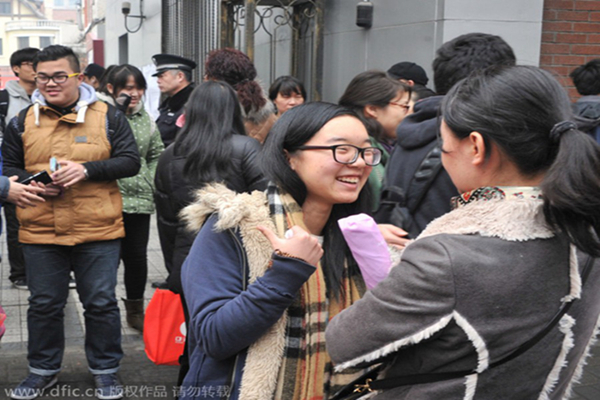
(560, 128)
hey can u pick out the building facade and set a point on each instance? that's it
(555, 34)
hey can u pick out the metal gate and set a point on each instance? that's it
(190, 29)
(284, 37)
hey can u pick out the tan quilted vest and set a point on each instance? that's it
(89, 211)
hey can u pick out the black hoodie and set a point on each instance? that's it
(417, 135)
(587, 110)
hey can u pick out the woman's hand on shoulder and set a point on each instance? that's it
(298, 244)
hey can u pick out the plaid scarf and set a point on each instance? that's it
(306, 371)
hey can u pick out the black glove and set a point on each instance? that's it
(123, 102)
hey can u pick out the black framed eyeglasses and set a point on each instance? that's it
(348, 153)
(58, 79)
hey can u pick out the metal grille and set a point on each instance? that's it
(281, 36)
(209, 30)
(190, 29)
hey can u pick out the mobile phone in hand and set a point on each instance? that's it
(41, 177)
(54, 165)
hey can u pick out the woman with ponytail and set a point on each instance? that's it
(236, 68)
(499, 298)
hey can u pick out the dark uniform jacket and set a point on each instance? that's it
(171, 109)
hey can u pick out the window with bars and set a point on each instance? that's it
(22, 42)
(5, 8)
(66, 3)
(45, 41)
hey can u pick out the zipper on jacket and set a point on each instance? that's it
(242, 254)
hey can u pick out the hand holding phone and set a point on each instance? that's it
(41, 177)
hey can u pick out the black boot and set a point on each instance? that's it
(135, 313)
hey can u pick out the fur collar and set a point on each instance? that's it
(513, 220)
(246, 211)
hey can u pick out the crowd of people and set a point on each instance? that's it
(485, 189)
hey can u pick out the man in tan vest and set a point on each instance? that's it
(85, 145)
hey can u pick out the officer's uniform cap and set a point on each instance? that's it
(165, 62)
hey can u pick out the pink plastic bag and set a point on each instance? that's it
(367, 246)
(2, 318)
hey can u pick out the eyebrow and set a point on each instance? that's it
(56, 73)
(341, 139)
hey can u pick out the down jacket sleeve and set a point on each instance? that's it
(13, 161)
(253, 175)
(415, 301)
(225, 318)
(124, 158)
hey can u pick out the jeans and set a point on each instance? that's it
(15, 251)
(134, 252)
(48, 268)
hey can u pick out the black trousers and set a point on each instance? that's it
(184, 360)
(134, 253)
(15, 251)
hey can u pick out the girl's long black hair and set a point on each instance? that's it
(212, 116)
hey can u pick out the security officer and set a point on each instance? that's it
(174, 75)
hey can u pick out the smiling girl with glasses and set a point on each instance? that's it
(268, 270)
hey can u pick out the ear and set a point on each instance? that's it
(478, 148)
(16, 69)
(371, 111)
(291, 160)
(110, 88)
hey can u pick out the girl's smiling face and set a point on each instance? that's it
(327, 181)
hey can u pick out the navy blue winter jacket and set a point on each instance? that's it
(225, 319)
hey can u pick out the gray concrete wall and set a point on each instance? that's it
(411, 30)
(142, 44)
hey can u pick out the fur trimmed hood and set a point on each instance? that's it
(233, 208)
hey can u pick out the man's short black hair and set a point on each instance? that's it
(586, 78)
(459, 57)
(56, 52)
(23, 55)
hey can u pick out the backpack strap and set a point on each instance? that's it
(111, 120)
(21, 118)
(4, 101)
(423, 178)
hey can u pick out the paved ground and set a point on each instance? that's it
(141, 378)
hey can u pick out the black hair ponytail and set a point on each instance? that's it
(571, 190)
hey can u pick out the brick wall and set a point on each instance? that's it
(570, 37)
